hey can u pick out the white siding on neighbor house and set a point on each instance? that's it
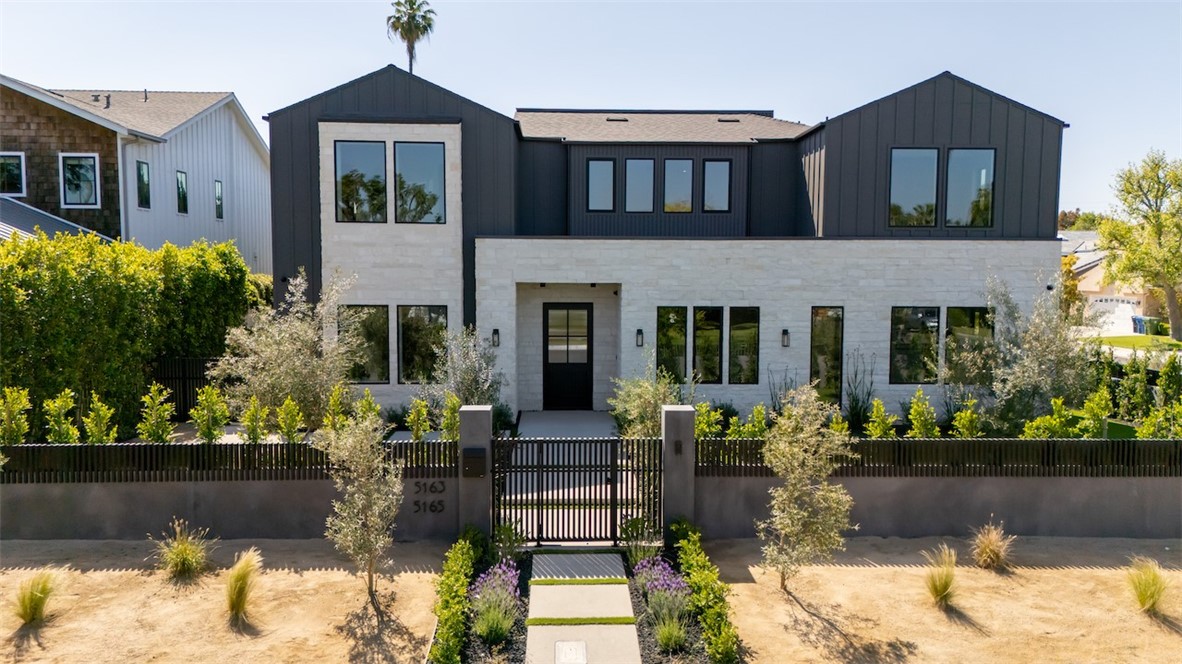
(216, 146)
(784, 278)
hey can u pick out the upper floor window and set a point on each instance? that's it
(970, 188)
(219, 211)
(679, 185)
(79, 180)
(182, 192)
(419, 183)
(914, 344)
(638, 185)
(143, 185)
(743, 357)
(913, 187)
(12, 173)
(716, 186)
(601, 185)
(361, 181)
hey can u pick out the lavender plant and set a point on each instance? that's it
(496, 602)
(667, 596)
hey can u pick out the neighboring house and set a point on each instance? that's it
(155, 167)
(752, 251)
(1116, 304)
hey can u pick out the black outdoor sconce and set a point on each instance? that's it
(785, 338)
(496, 337)
(639, 337)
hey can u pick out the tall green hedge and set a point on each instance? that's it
(91, 316)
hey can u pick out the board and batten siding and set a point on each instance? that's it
(812, 166)
(215, 146)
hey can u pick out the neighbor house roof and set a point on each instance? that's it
(1083, 244)
(17, 218)
(607, 126)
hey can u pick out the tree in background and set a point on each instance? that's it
(1145, 248)
(412, 20)
(1071, 301)
(1074, 220)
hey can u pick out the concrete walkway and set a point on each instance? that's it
(559, 590)
(566, 424)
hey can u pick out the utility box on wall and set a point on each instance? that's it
(474, 462)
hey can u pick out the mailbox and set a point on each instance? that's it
(475, 462)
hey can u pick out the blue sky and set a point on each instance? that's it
(1112, 70)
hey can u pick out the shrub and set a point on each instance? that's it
(1094, 423)
(1055, 425)
(707, 595)
(1163, 422)
(449, 422)
(418, 420)
(1148, 583)
(707, 421)
(859, 390)
(496, 603)
(14, 424)
(33, 595)
(366, 406)
(451, 604)
(922, 417)
(211, 414)
(966, 423)
(507, 542)
(755, 426)
(466, 366)
(837, 424)
(636, 404)
(240, 583)
(1169, 380)
(991, 546)
(1133, 395)
(503, 419)
(184, 553)
(881, 423)
(941, 575)
(260, 291)
(59, 427)
(730, 414)
(334, 413)
(100, 429)
(290, 420)
(254, 421)
(670, 633)
(482, 551)
(640, 540)
(156, 417)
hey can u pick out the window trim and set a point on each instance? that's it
(665, 185)
(993, 189)
(937, 213)
(371, 306)
(840, 351)
(394, 183)
(219, 201)
(722, 369)
(398, 338)
(180, 173)
(730, 341)
(98, 181)
(148, 171)
(730, 183)
(587, 204)
(652, 201)
(336, 190)
(24, 173)
(938, 332)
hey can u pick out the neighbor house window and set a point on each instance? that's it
(373, 326)
(219, 210)
(914, 344)
(419, 183)
(825, 348)
(913, 187)
(182, 192)
(679, 185)
(638, 185)
(12, 173)
(969, 330)
(743, 346)
(143, 185)
(716, 186)
(421, 329)
(671, 326)
(80, 182)
(969, 188)
(708, 344)
(361, 180)
(601, 185)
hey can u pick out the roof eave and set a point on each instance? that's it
(61, 104)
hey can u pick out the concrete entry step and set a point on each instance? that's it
(611, 601)
(578, 566)
(602, 644)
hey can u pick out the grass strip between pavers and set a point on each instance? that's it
(604, 581)
(558, 622)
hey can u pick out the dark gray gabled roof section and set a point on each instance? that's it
(17, 218)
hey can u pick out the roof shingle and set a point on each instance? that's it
(655, 126)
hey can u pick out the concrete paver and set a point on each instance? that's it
(605, 644)
(609, 601)
(578, 566)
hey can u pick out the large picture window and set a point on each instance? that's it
(825, 351)
(743, 346)
(182, 192)
(708, 344)
(361, 181)
(373, 324)
(12, 173)
(679, 185)
(914, 344)
(638, 185)
(419, 183)
(601, 185)
(421, 329)
(913, 187)
(143, 185)
(970, 188)
(671, 327)
(969, 329)
(80, 180)
(716, 186)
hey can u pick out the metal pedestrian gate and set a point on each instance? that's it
(577, 489)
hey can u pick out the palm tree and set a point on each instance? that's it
(412, 20)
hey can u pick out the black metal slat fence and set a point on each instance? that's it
(184, 377)
(975, 457)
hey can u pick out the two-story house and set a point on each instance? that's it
(747, 250)
(148, 166)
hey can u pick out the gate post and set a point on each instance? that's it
(475, 490)
(678, 454)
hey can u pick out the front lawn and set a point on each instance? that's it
(1142, 342)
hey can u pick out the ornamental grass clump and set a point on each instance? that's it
(991, 546)
(1148, 583)
(240, 583)
(33, 595)
(184, 553)
(496, 603)
(941, 575)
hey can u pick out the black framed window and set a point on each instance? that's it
(601, 185)
(914, 344)
(679, 185)
(419, 183)
(143, 185)
(373, 323)
(80, 180)
(12, 173)
(708, 344)
(360, 180)
(639, 185)
(568, 340)
(913, 186)
(421, 329)
(969, 188)
(716, 186)
(743, 346)
(967, 330)
(671, 338)
(182, 192)
(825, 351)
(219, 210)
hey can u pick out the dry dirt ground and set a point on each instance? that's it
(1065, 600)
(113, 606)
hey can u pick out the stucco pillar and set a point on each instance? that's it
(678, 455)
(475, 490)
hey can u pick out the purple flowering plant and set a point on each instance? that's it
(665, 591)
(496, 602)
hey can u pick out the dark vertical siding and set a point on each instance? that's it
(541, 188)
(811, 217)
(776, 178)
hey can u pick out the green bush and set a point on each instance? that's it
(290, 421)
(1163, 422)
(419, 419)
(14, 424)
(254, 421)
(1096, 410)
(966, 423)
(59, 426)
(211, 414)
(755, 426)
(1055, 425)
(922, 417)
(260, 291)
(1169, 380)
(707, 421)
(156, 417)
(449, 422)
(707, 595)
(335, 416)
(1133, 396)
(881, 423)
(100, 429)
(366, 406)
(451, 605)
(636, 404)
(184, 552)
(204, 292)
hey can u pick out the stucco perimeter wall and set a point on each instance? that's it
(289, 509)
(785, 278)
(1140, 507)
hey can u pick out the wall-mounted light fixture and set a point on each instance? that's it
(639, 337)
(785, 338)
(496, 337)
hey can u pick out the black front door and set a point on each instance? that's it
(566, 363)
